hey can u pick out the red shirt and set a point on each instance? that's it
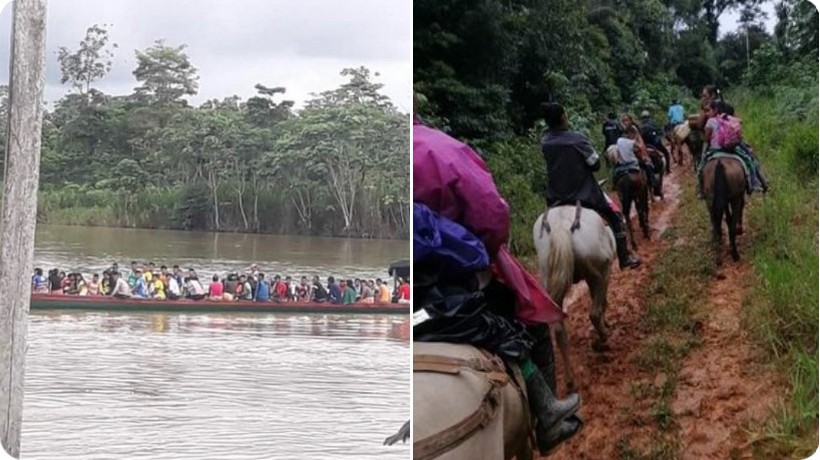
(281, 289)
(215, 289)
(404, 291)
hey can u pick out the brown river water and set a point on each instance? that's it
(226, 386)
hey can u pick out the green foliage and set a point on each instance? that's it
(517, 167)
(780, 120)
(165, 73)
(338, 167)
(90, 62)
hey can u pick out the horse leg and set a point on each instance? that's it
(731, 222)
(597, 288)
(741, 203)
(717, 222)
(561, 338)
(642, 205)
(626, 205)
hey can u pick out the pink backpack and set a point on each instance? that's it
(729, 133)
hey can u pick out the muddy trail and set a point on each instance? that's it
(713, 396)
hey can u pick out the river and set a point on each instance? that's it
(228, 386)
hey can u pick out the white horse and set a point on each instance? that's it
(575, 244)
(465, 406)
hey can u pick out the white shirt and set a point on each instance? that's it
(626, 149)
(121, 287)
(195, 287)
(173, 286)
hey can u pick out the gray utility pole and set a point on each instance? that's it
(22, 177)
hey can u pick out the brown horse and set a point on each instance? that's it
(465, 405)
(659, 165)
(677, 137)
(689, 133)
(631, 187)
(724, 185)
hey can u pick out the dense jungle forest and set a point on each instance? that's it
(338, 166)
(482, 70)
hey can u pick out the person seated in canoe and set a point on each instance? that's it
(303, 290)
(81, 285)
(349, 296)
(176, 272)
(243, 289)
(55, 285)
(229, 284)
(164, 275)
(194, 289)
(140, 286)
(384, 291)
(148, 271)
(215, 289)
(291, 294)
(121, 288)
(262, 293)
(173, 291)
(157, 287)
(39, 283)
(66, 282)
(318, 293)
(94, 285)
(404, 291)
(279, 290)
(334, 291)
(132, 276)
(368, 295)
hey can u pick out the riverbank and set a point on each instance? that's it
(181, 209)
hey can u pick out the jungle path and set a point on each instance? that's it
(641, 400)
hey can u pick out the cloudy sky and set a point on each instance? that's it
(299, 44)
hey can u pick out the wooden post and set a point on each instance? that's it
(22, 178)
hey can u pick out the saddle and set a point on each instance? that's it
(736, 154)
(576, 224)
(497, 374)
(623, 169)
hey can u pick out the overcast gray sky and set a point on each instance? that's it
(299, 44)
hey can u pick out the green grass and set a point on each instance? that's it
(782, 309)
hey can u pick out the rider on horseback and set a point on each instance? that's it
(633, 155)
(571, 160)
(715, 111)
(452, 180)
(651, 136)
(611, 130)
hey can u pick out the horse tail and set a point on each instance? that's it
(720, 200)
(560, 261)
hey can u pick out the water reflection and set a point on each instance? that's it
(232, 386)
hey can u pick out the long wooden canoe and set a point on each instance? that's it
(104, 303)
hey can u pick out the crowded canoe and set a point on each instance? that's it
(146, 281)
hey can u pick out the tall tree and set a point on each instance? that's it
(166, 74)
(90, 62)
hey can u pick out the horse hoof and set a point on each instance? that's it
(735, 256)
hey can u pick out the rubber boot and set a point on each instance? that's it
(550, 413)
(625, 259)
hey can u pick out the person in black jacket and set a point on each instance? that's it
(611, 130)
(571, 160)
